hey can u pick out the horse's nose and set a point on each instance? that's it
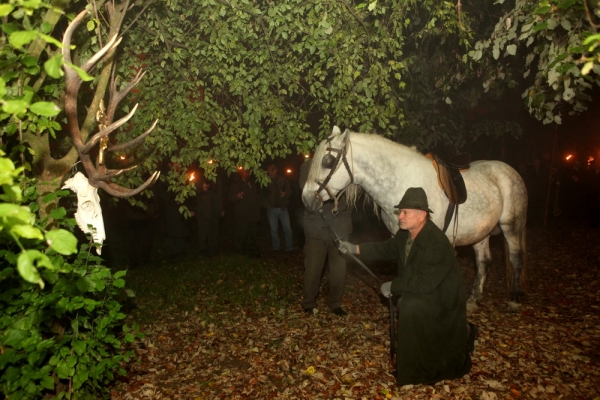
(311, 202)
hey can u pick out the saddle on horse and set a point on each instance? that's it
(451, 181)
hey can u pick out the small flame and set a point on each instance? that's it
(590, 159)
(192, 177)
(289, 170)
(122, 157)
(569, 157)
(210, 161)
(307, 156)
(240, 168)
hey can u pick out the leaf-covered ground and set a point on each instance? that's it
(550, 349)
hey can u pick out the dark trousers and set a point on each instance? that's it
(246, 237)
(316, 252)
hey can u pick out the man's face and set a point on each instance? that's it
(272, 171)
(409, 218)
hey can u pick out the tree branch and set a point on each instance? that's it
(137, 17)
(590, 17)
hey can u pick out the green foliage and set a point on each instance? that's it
(25, 109)
(557, 50)
(61, 327)
(437, 89)
(19, 67)
(65, 338)
(242, 82)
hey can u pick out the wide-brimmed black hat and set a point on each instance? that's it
(414, 198)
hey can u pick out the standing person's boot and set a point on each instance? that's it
(473, 331)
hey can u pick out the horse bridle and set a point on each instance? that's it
(331, 162)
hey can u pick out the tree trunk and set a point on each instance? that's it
(49, 172)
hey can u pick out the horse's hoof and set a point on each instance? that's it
(513, 306)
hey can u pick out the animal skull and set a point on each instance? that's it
(89, 213)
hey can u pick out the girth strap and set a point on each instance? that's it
(449, 214)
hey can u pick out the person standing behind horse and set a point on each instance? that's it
(209, 210)
(247, 203)
(276, 198)
(319, 247)
(434, 338)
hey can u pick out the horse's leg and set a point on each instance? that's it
(515, 263)
(483, 259)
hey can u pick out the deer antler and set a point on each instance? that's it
(98, 174)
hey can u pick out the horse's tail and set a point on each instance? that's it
(509, 269)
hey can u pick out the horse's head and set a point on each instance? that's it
(330, 172)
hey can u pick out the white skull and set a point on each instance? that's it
(88, 208)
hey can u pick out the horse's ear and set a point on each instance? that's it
(336, 130)
(346, 132)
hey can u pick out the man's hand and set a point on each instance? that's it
(386, 289)
(347, 247)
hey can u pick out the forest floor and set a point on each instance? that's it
(230, 327)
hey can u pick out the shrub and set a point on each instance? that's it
(61, 326)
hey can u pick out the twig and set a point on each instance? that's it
(589, 16)
(98, 27)
(459, 12)
(137, 16)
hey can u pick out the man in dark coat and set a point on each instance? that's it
(247, 204)
(434, 339)
(209, 209)
(319, 247)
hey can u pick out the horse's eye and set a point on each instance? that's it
(328, 161)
